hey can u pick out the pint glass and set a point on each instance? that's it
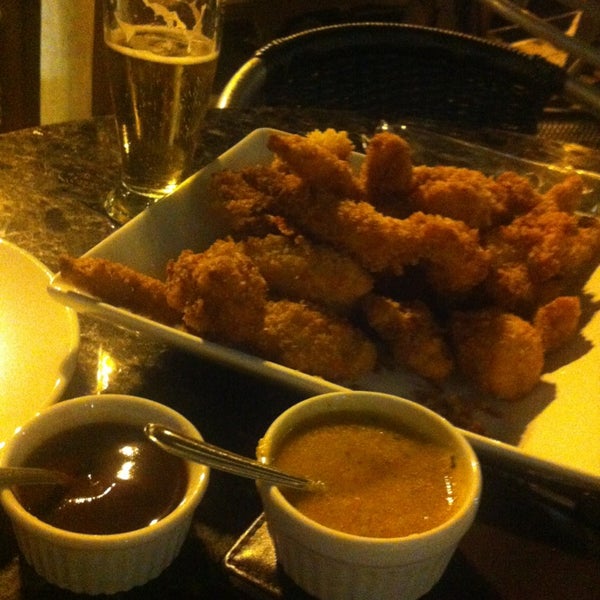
(161, 57)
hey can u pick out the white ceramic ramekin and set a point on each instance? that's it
(100, 564)
(332, 565)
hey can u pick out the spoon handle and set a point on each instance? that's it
(30, 476)
(218, 458)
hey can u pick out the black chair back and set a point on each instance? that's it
(397, 71)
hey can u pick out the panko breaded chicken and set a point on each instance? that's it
(519, 195)
(121, 286)
(458, 193)
(564, 196)
(316, 164)
(324, 256)
(223, 296)
(387, 173)
(558, 321)
(298, 269)
(538, 249)
(412, 335)
(449, 249)
(220, 293)
(305, 338)
(336, 142)
(242, 206)
(499, 352)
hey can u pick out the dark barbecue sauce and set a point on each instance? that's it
(121, 481)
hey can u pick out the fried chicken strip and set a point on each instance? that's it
(316, 164)
(451, 251)
(462, 194)
(302, 337)
(558, 321)
(538, 248)
(299, 269)
(223, 296)
(220, 293)
(336, 142)
(564, 196)
(499, 352)
(519, 195)
(387, 173)
(410, 331)
(241, 205)
(120, 285)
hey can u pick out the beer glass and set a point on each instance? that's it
(161, 57)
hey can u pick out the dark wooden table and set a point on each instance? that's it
(52, 184)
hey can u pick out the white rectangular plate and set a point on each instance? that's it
(553, 432)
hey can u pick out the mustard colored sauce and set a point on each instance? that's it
(121, 480)
(380, 481)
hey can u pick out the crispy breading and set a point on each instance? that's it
(308, 339)
(316, 165)
(564, 196)
(538, 252)
(509, 286)
(500, 352)
(387, 173)
(462, 194)
(449, 249)
(336, 142)
(454, 259)
(299, 269)
(311, 237)
(558, 321)
(220, 292)
(241, 205)
(411, 333)
(551, 243)
(519, 195)
(120, 285)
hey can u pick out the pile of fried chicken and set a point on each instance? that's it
(335, 270)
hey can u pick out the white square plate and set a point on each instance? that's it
(554, 431)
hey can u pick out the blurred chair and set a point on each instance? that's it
(398, 71)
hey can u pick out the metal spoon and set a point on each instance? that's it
(223, 460)
(31, 476)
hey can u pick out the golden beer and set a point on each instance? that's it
(161, 81)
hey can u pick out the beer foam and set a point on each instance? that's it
(199, 48)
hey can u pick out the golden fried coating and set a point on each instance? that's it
(461, 194)
(519, 195)
(315, 242)
(307, 339)
(500, 352)
(564, 196)
(412, 335)
(220, 292)
(241, 205)
(535, 248)
(450, 250)
(299, 269)
(120, 285)
(316, 165)
(509, 286)
(336, 142)
(558, 321)
(387, 173)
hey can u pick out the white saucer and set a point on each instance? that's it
(39, 339)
